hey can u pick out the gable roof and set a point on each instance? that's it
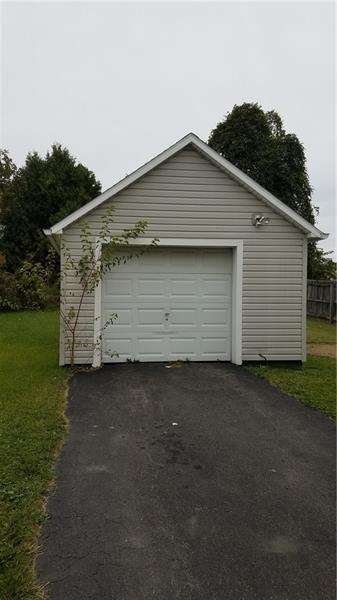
(214, 157)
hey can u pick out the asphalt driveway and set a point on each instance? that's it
(193, 482)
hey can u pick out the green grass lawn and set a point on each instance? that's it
(32, 426)
(314, 383)
(320, 332)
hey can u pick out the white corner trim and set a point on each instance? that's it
(97, 353)
(237, 245)
(221, 162)
(304, 300)
(62, 337)
(237, 279)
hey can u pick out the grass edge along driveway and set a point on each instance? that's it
(314, 382)
(32, 427)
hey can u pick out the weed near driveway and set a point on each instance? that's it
(32, 426)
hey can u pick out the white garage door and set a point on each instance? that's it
(171, 304)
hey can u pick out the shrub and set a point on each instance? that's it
(28, 288)
(31, 281)
(9, 299)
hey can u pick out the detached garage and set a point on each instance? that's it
(227, 280)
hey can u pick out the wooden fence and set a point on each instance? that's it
(321, 299)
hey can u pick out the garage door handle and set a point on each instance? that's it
(167, 316)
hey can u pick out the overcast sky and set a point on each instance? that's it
(119, 82)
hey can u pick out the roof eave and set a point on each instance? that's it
(320, 235)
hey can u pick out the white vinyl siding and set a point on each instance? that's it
(189, 197)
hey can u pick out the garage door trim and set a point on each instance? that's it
(236, 245)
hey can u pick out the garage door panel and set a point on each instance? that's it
(215, 356)
(213, 344)
(124, 317)
(215, 288)
(184, 346)
(188, 288)
(149, 262)
(214, 262)
(170, 305)
(121, 287)
(119, 345)
(213, 316)
(150, 316)
(149, 288)
(183, 316)
(151, 346)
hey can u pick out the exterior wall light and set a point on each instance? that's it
(259, 220)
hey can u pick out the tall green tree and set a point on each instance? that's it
(42, 192)
(7, 172)
(320, 264)
(256, 142)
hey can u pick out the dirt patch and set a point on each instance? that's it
(322, 349)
